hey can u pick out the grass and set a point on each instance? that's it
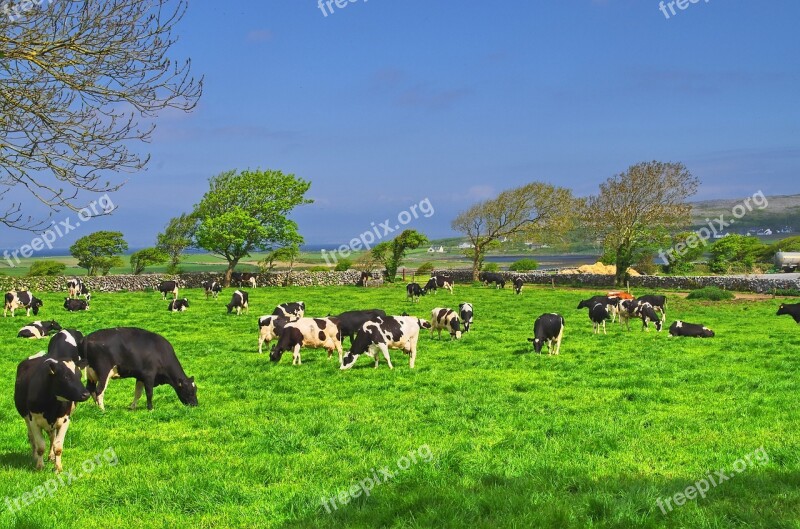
(711, 294)
(590, 438)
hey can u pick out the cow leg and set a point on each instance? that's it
(137, 393)
(558, 340)
(296, 355)
(102, 377)
(148, 392)
(339, 349)
(57, 442)
(604, 327)
(412, 354)
(38, 444)
(261, 340)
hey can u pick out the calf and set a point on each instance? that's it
(38, 329)
(518, 285)
(271, 327)
(351, 321)
(447, 319)
(76, 288)
(384, 333)
(15, 299)
(239, 301)
(212, 288)
(648, 313)
(598, 314)
(294, 310)
(129, 352)
(168, 287)
(549, 329)
(45, 394)
(681, 328)
(659, 304)
(493, 277)
(439, 281)
(465, 312)
(792, 310)
(308, 332)
(74, 305)
(178, 305)
(414, 291)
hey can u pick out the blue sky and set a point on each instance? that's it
(386, 102)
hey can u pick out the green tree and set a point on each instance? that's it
(735, 253)
(686, 248)
(97, 252)
(247, 211)
(635, 209)
(146, 257)
(391, 253)
(524, 265)
(46, 268)
(177, 236)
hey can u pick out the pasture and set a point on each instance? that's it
(501, 437)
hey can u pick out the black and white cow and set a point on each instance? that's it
(445, 319)
(659, 304)
(74, 305)
(694, 330)
(178, 305)
(15, 299)
(239, 301)
(38, 329)
(518, 283)
(363, 281)
(65, 346)
(414, 291)
(493, 277)
(610, 304)
(270, 328)
(384, 333)
(212, 288)
(294, 310)
(45, 394)
(351, 321)
(77, 287)
(548, 329)
(439, 281)
(168, 287)
(598, 314)
(129, 352)
(648, 313)
(308, 332)
(243, 278)
(466, 313)
(792, 310)
(626, 309)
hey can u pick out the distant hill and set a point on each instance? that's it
(781, 211)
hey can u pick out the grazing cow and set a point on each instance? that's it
(178, 305)
(243, 278)
(647, 312)
(212, 288)
(239, 301)
(694, 330)
(38, 329)
(65, 346)
(792, 310)
(493, 277)
(21, 298)
(363, 281)
(610, 304)
(351, 321)
(384, 333)
(45, 394)
(308, 332)
(129, 352)
(271, 327)
(549, 329)
(518, 285)
(659, 304)
(439, 281)
(626, 310)
(168, 287)
(598, 314)
(445, 319)
(76, 288)
(294, 310)
(414, 291)
(465, 312)
(74, 305)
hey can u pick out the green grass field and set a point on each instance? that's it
(502, 437)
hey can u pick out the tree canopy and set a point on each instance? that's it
(391, 253)
(97, 252)
(146, 257)
(175, 238)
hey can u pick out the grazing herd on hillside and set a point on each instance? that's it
(49, 384)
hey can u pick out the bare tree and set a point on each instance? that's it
(80, 83)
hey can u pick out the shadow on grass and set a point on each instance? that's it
(21, 460)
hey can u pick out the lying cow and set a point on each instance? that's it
(493, 277)
(15, 299)
(548, 329)
(270, 328)
(168, 287)
(212, 288)
(38, 329)
(45, 394)
(792, 310)
(239, 301)
(74, 305)
(76, 288)
(129, 352)
(308, 332)
(445, 319)
(178, 305)
(465, 313)
(694, 330)
(384, 333)
(439, 281)
(414, 291)
(518, 285)
(294, 310)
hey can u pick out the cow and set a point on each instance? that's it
(293, 310)
(65, 346)
(74, 305)
(445, 319)
(212, 288)
(792, 310)
(647, 313)
(168, 287)
(130, 352)
(252, 282)
(626, 310)
(549, 329)
(270, 327)
(363, 281)
(619, 294)
(493, 277)
(465, 313)
(308, 332)
(241, 278)
(15, 299)
(609, 303)
(439, 281)
(239, 301)
(694, 330)
(659, 304)
(38, 329)
(518, 285)
(384, 333)
(414, 291)
(178, 305)
(77, 287)
(351, 321)
(45, 394)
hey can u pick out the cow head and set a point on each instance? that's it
(65, 382)
(35, 304)
(708, 333)
(455, 328)
(537, 344)
(187, 391)
(423, 324)
(53, 325)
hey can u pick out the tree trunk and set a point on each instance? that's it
(476, 264)
(623, 263)
(231, 265)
